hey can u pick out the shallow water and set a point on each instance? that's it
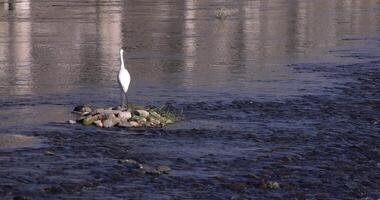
(284, 91)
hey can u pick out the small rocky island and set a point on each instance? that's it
(134, 116)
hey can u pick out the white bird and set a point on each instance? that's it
(124, 80)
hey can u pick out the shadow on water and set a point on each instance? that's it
(284, 91)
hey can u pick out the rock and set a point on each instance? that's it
(21, 198)
(88, 120)
(147, 169)
(108, 123)
(131, 163)
(142, 120)
(270, 185)
(72, 121)
(49, 153)
(237, 186)
(82, 109)
(125, 115)
(142, 113)
(107, 112)
(98, 123)
(155, 114)
(154, 122)
(134, 124)
(118, 108)
(109, 116)
(163, 168)
(124, 124)
(169, 121)
(53, 189)
(135, 118)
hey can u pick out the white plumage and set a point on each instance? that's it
(124, 79)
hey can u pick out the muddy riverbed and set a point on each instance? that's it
(280, 99)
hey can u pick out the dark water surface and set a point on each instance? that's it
(276, 90)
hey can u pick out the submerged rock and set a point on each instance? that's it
(147, 169)
(49, 153)
(163, 169)
(17, 141)
(270, 185)
(131, 163)
(237, 186)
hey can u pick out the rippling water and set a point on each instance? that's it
(275, 90)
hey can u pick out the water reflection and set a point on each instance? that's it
(15, 43)
(58, 47)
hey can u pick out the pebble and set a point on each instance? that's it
(142, 120)
(72, 121)
(134, 124)
(154, 122)
(98, 123)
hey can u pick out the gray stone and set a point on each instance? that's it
(163, 168)
(124, 124)
(154, 122)
(131, 163)
(147, 169)
(142, 120)
(142, 113)
(108, 123)
(107, 112)
(125, 115)
(134, 124)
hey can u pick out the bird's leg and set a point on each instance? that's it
(122, 98)
(126, 99)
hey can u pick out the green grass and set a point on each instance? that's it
(163, 111)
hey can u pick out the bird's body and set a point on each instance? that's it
(124, 79)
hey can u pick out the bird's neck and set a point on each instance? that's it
(122, 61)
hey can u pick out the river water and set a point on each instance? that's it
(270, 90)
